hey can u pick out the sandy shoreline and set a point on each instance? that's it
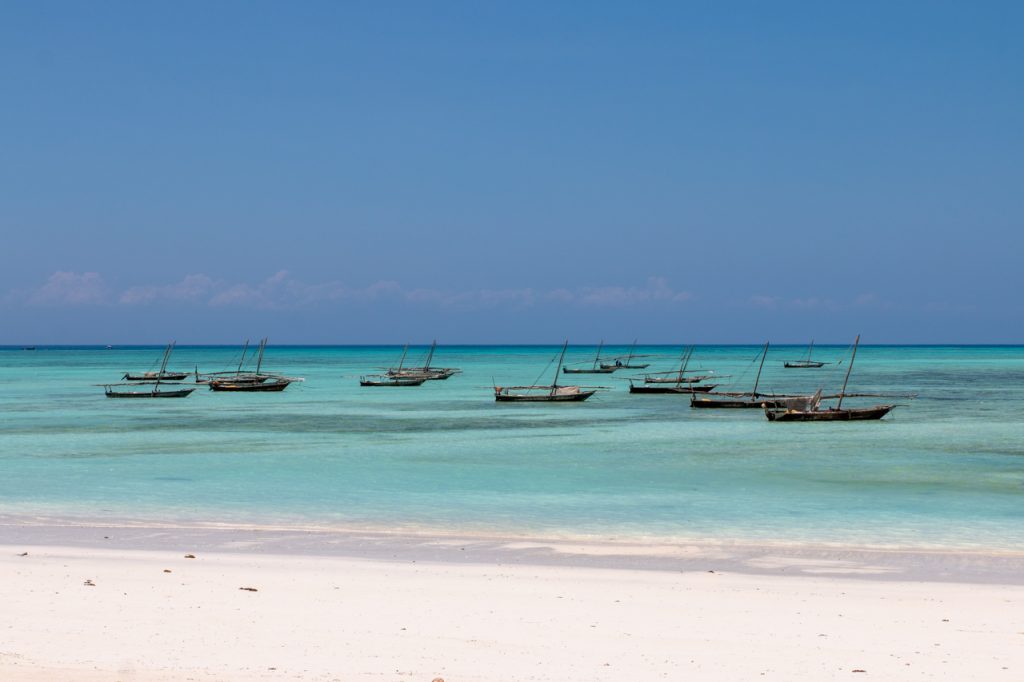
(372, 607)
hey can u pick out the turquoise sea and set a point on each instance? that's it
(945, 470)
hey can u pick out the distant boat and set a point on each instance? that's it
(745, 400)
(162, 375)
(28, 348)
(628, 364)
(112, 392)
(806, 363)
(681, 385)
(255, 382)
(596, 368)
(428, 372)
(812, 411)
(544, 394)
(671, 378)
(394, 376)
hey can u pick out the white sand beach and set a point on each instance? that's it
(114, 613)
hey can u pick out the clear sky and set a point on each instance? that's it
(339, 172)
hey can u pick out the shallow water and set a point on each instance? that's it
(946, 469)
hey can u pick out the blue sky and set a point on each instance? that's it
(511, 172)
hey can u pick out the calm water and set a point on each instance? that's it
(948, 469)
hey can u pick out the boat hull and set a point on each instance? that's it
(687, 390)
(803, 365)
(832, 415)
(180, 393)
(266, 387)
(393, 382)
(590, 370)
(737, 403)
(543, 398)
(166, 376)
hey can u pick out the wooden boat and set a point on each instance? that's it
(750, 400)
(112, 392)
(254, 382)
(812, 411)
(394, 376)
(155, 393)
(269, 385)
(385, 380)
(426, 371)
(544, 394)
(806, 363)
(628, 364)
(162, 375)
(652, 379)
(152, 376)
(681, 384)
(596, 368)
(670, 388)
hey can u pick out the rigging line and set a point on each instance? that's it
(536, 381)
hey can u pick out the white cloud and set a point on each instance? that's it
(281, 290)
(70, 288)
(191, 288)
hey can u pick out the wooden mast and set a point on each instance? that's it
(629, 358)
(430, 355)
(682, 365)
(554, 384)
(597, 358)
(764, 354)
(402, 360)
(163, 366)
(849, 369)
(259, 359)
(810, 349)
(241, 361)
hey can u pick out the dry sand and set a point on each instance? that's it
(152, 614)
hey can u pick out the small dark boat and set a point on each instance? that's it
(670, 388)
(806, 363)
(544, 394)
(628, 364)
(596, 368)
(812, 411)
(244, 382)
(270, 385)
(681, 385)
(155, 392)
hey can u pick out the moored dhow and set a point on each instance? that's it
(752, 400)
(112, 391)
(161, 375)
(255, 382)
(596, 368)
(813, 412)
(544, 394)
